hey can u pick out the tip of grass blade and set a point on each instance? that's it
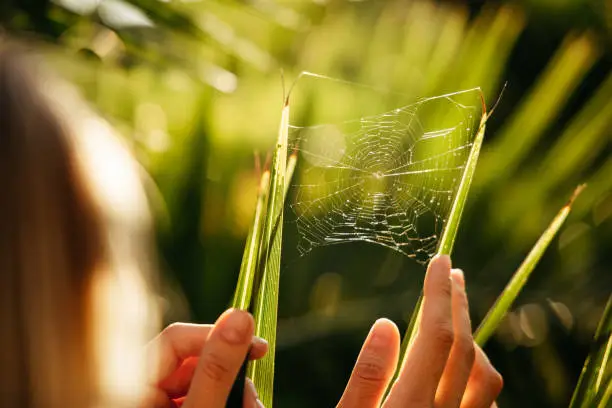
(575, 195)
(267, 162)
(499, 98)
(519, 278)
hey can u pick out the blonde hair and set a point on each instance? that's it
(74, 249)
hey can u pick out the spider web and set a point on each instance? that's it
(388, 179)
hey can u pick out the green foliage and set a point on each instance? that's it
(498, 311)
(266, 303)
(604, 398)
(192, 95)
(445, 247)
(597, 371)
(562, 76)
(251, 257)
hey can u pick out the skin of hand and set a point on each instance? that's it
(199, 363)
(443, 367)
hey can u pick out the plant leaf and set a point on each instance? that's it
(266, 304)
(250, 258)
(504, 301)
(252, 250)
(597, 365)
(563, 74)
(445, 246)
(603, 400)
(291, 163)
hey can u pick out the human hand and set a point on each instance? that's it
(443, 367)
(199, 363)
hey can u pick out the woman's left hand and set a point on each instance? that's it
(443, 368)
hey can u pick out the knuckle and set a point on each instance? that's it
(168, 336)
(171, 330)
(446, 289)
(370, 372)
(490, 380)
(463, 301)
(496, 381)
(214, 368)
(465, 346)
(438, 289)
(443, 335)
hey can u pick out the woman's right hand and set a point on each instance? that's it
(443, 367)
(198, 364)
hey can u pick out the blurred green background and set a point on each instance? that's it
(194, 87)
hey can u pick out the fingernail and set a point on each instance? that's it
(379, 338)
(237, 328)
(458, 277)
(259, 404)
(249, 383)
(259, 340)
(444, 259)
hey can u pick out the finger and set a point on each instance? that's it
(178, 382)
(426, 357)
(179, 341)
(374, 368)
(484, 384)
(174, 344)
(461, 359)
(250, 399)
(221, 359)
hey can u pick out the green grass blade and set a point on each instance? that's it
(250, 258)
(597, 367)
(452, 226)
(266, 304)
(605, 399)
(552, 90)
(252, 249)
(583, 137)
(449, 234)
(520, 277)
(291, 163)
(445, 247)
(487, 46)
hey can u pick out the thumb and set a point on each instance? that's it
(220, 361)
